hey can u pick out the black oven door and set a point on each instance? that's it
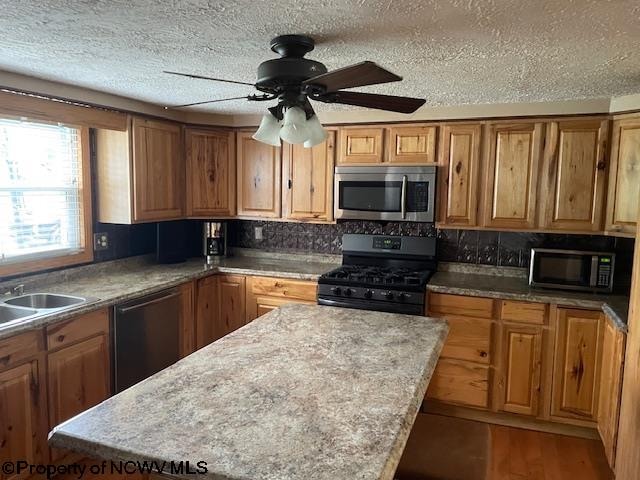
(561, 269)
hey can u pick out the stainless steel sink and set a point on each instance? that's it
(9, 314)
(45, 301)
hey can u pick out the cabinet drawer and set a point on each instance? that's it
(460, 382)
(19, 347)
(78, 328)
(468, 339)
(461, 305)
(280, 287)
(524, 312)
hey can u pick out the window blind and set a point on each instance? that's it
(40, 191)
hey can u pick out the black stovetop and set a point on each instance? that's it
(377, 276)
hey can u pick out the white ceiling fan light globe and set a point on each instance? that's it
(294, 126)
(317, 134)
(269, 131)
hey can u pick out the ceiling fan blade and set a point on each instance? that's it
(207, 78)
(373, 100)
(358, 75)
(246, 97)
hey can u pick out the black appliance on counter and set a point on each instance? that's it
(214, 240)
(382, 273)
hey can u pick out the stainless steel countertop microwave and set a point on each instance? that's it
(572, 269)
(394, 193)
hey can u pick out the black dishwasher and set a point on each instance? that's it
(145, 337)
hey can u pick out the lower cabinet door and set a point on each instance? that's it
(610, 389)
(460, 382)
(206, 305)
(23, 429)
(576, 373)
(519, 375)
(232, 302)
(78, 379)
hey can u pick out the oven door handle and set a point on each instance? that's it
(403, 200)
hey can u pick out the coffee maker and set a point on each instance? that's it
(214, 240)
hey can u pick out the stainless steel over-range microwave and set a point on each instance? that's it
(572, 269)
(385, 193)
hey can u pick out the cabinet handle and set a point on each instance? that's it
(61, 338)
(289, 184)
(601, 165)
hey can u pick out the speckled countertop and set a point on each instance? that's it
(303, 392)
(513, 288)
(110, 283)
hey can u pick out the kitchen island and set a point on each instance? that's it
(302, 392)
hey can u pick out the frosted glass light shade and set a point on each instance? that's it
(269, 131)
(317, 134)
(294, 128)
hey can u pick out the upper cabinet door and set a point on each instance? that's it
(512, 154)
(413, 145)
(158, 171)
(308, 173)
(211, 173)
(360, 145)
(624, 177)
(259, 182)
(459, 163)
(574, 173)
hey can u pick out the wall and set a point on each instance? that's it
(508, 249)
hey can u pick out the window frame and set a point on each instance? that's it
(86, 213)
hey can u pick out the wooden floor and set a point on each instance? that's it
(524, 454)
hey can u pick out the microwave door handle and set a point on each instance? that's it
(593, 280)
(403, 200)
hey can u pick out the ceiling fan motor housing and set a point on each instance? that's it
(286, 73)
(275, 76)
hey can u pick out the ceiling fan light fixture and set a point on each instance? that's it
(269, 130)
(294, 126)
(317, 134)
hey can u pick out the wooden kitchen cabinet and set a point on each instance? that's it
(308, 178)
(624, 177)
(459, 175)
(23, 406)
(187, 319)
(411, 144)
(576, 371)
(360, 145)
(512, 156)
(267, 293)
(574, 175)
(232, 312)
(211, 173)
(259, 178)
(520, 368)
(613, 349)
(220, 307)
(140, 172)
(463, 373)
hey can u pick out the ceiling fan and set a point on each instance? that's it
(294, 80)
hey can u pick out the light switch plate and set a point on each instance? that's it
(100, 241)
(258, 233)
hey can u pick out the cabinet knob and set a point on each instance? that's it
(61, 338)
(601, 165)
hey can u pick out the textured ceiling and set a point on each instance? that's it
(451, 52)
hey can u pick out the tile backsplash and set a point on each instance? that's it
(509, 249)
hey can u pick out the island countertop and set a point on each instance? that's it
(305, 391)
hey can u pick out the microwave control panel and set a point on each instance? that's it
(418, 196)
(605, 267)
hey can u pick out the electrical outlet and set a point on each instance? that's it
(100, 241)
(258, 233)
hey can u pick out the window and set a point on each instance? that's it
(43, 203)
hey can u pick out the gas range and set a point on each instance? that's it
(383, 273)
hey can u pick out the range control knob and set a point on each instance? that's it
(348, 292)
(388, 295)
(336, 290)
(402, 297)
(368, 294)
